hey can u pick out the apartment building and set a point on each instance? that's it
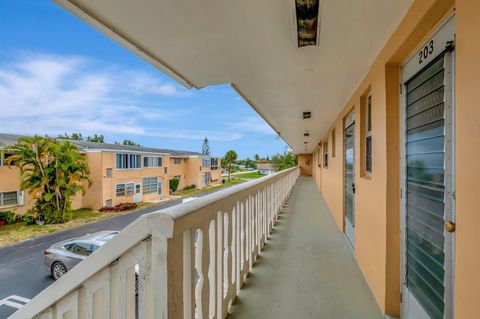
(380, 101)
(120, 174)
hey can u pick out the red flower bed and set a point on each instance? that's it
(122, 207)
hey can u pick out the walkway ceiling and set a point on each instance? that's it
(253, 44)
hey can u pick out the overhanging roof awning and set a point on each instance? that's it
(254, 46)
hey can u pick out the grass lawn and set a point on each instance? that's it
(196, 191)
(19, 231)
(250, 175)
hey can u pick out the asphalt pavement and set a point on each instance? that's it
(22, 275)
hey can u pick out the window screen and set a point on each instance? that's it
(325, 154)
(150, 185)
(368, 135)
(8, 198)
(128, 161)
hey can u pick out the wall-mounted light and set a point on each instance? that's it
(306, 134)
(307, 115)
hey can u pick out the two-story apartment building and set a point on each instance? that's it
(120, 174)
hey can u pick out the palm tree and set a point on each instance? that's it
(229, 158)
(284, 161)
(52, 172)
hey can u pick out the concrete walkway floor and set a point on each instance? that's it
(306, 269)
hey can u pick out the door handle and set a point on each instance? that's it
(450, 226)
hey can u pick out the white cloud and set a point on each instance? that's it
(48, 94)
(194, 134)
(253, 124)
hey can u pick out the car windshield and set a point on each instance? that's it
(83, 249)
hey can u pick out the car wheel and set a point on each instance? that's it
(58, 270)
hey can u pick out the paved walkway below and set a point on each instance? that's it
(306, 269)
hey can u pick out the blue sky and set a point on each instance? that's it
(58, 74)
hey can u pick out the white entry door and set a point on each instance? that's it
(428, 184)
(349, 178)
(159, 190)
(138, 193)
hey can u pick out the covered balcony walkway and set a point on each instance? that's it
(306, 269)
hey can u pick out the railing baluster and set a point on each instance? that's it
(212, 268)
(188, 275)
(238, 268)
(220, 255)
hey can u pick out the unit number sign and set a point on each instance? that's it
(425, 52)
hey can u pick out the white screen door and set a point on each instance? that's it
(427, 189)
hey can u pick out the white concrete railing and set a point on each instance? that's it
(190, 260)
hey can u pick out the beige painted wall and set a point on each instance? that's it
(179, 170)
(467, 275)
(9, 182)
(305, 163)
(377, 203)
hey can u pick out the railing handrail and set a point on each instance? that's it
(160, 223)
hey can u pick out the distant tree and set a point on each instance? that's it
(206, 147)
(74, 136)
(267, 159)
(284, 161)
(256, 158)
(174, 184)
(52, 172)
(229, 159)
(96, 138)
(128, 143)
(249, 163)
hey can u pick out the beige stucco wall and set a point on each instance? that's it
(467, 130)
(179, 170)
(100, 163)
(305, 163)
(377, 202)
(9, 182)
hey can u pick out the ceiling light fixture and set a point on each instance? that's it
(307, 17)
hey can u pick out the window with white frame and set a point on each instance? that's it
(206, 161)
(150, 185)
(368, 135)
(124, 189)
(152, 161)
(3, 159)
(9, 198)
(108, 173)
(177, 161)
(128, 161)
(214, 164)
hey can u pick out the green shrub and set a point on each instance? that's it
(8, 217)
(186, 188)
(28, 219)
(174, 184)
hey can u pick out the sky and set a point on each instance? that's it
(59, 75)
